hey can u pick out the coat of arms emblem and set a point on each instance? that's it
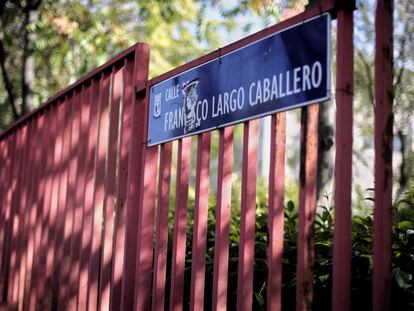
(190, 101)
(157, 105)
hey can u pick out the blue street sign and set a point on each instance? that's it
(285, 70)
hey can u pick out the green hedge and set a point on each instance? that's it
(402, 261)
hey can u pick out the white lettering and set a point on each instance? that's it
(226, 103)
(259, 98)
(204, 109)
(233, 100)
(172, 92)
(274, 94)
(240, 98)
(252, 103)
(181, 117)
(266, 90)
(281, 94)
(296, 80)
(198, 111)
(213, 113)
(316, 70)
(220, 105)
(288, 89)
(306, 84)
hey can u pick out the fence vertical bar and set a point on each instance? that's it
(161, 229)
(4, 145)
(180, 224)
(53, 211)
(3, 199)
(143, 274)
(275, 222)
(18, 152)
(120, 217)
(70, 198)
(247, 216)
(146, 210)
(49, 208)
(384, 119)
(11, 211)
(81, 155)
(99, 193)
(8, 171)
(341, 292)
(138, 139)
(88, 211)
(223, 214)
(3, 172)
(110, 190)
(307, 206)
(43, 206)
(34, 208)
(200, 223)
(25, 212)
(37, 197)
(21, 203)
(62, 196)
(4, 268)
(4, 234)
(30, 214)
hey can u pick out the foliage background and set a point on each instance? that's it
(46, 45)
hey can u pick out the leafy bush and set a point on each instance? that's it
(362, 233)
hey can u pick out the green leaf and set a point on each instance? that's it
(259, 298)
(324, 243)
(402, 278)
(405, 225)
(290, 206)
(324, 277)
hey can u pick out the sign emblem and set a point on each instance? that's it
(157, 105)
(190, 100)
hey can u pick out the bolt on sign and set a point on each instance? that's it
(284, 70)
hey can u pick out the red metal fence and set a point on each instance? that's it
(85, 202)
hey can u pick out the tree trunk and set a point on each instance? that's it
(325, 150)
(28, 60)
(403, 178)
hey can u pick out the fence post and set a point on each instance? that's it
(161, 242)
(180, 225)
(127, 111)
(88, 200)
(111, 188)
(47, 140)
(341, 291)
(275, 222)
(134, 181)
(307, 206)
(200, 223)
(147, 170)
(384, 119)
(223, 216)
(247, 217)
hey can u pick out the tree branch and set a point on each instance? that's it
(7, 80)
(24, 85)
(403, 179)
(32, 6)
(402, 55)
(367, 67)
(18, 4)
